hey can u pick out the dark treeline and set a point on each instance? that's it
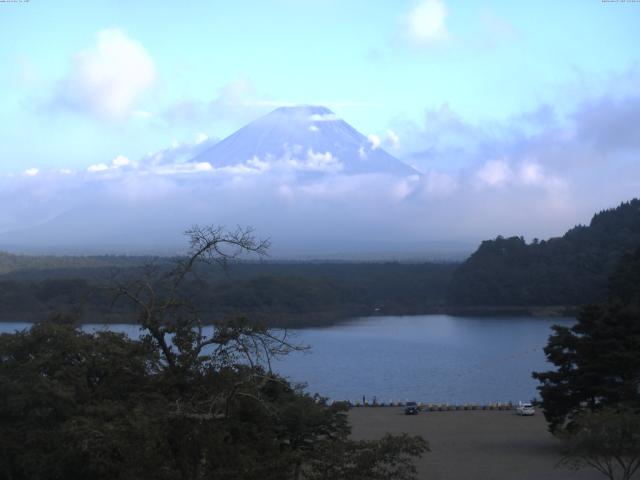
(276, 293)
(15, 263)
(503, 275)
(569, 270)
(597, 359)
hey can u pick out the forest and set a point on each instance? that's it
(504, 274)
(568, 270)
(279, 294)
(175, 403)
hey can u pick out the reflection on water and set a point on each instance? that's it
(431, 358)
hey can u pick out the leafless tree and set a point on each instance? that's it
(174, 327)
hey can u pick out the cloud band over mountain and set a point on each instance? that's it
(315, 185)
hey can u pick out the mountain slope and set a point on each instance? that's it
(570, 270)
(310, 137)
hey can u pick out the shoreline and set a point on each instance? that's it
(439, 407)
(319, 319)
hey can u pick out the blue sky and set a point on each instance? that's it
(526, 104)
(492, 61)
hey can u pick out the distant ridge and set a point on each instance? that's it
(304, 133)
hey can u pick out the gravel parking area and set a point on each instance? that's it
(483, 445)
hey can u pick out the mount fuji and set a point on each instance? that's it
(307, 138)
(307, 179)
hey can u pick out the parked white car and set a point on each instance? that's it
(525, 409)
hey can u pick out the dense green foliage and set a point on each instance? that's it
(598, 359)
(607, 440)
(278, 293)
(75, 405)
(175, 404)
(570, 270)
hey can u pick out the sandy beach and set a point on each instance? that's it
(483, 445)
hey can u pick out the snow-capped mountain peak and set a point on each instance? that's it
(309, 136)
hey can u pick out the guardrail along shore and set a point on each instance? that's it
(437, 407)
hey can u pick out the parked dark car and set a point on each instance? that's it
(411, 408)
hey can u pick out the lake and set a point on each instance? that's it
(428, 358)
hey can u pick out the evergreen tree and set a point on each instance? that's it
(570, 270)
(598, 359)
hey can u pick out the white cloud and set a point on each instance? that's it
(201, 137)
(440, 183)
(531, 173)
(31, 172)
(313, 128)
(120, 161)
(109, 79)
(494, 173)
(392, 138)
(276, 196)
(258, 164)
(203, 167)
(324, 117)
(426, 22)
(295, 161)
(174, 169)
(478, 180)
(323, 162)
(527, 173)
(405, 187)
(99, 167)
(374, 140)
(178, 152)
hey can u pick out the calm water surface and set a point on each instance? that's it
(429, 358)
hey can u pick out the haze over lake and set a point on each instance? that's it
(428, 358)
